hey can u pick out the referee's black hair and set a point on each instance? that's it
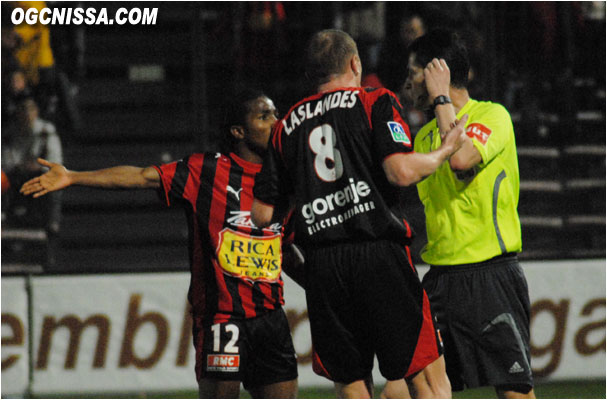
(444, 43)
(235, 111)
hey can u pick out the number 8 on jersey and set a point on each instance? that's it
(327, 163)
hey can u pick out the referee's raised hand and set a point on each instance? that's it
(56, 178)
(437, 77)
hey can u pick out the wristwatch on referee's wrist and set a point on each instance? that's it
(440, 100)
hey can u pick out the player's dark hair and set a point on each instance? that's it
(444, 43)
(235, 112)
(327, 54)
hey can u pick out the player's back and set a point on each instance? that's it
(332, 145)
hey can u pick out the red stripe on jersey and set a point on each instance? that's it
(166, 177)
(192, 186)
(427, 348)
(246, 298)
(218, 208)
(277, 137)
(368, 99)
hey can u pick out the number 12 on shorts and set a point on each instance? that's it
(231, 346)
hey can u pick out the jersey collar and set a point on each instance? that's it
(246, 165)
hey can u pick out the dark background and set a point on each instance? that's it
(544, 61)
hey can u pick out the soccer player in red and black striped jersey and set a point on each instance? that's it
(341, 154)
(236, 291)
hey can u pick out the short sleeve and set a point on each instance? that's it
(390, 131)
(490, 132)
(179, 178)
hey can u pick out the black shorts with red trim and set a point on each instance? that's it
(256, 351)
(483, 314)
(365, 299)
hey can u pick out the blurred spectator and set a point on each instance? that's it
(261, 32)
(393, 57)
(26, 139)
(32, 49)
(392, 64)
(27, 48)
(365, 22)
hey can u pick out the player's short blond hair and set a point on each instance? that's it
(327, 54)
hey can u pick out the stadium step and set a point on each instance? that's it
(129, 258)
(123, 227)
(104, 92)
(152, 123)
(537, 162)
(142, 154)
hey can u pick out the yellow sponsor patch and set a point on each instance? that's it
(250, 257)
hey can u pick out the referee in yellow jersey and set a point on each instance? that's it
(477, 289)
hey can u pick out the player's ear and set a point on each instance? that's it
(237, 131)
(356, 65)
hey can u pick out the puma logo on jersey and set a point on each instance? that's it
(235, 192)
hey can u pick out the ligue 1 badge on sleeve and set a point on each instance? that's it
(398, 133)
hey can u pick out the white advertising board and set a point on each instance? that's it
(132, 332)
(112, 333)
(15, 330)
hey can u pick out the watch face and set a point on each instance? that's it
(441, 100)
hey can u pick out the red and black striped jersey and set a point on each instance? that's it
(328, 152)
(236, 267)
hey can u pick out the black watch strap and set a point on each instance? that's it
(439, 100)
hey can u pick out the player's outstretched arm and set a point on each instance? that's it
(410, 168)
(58, 177)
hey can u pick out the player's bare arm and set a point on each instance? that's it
(122, 177)
(261, 214)
(407, 169)
(293, 264)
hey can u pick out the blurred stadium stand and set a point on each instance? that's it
(151, 94)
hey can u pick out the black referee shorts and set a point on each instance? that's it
(483, 315)
(365, 299)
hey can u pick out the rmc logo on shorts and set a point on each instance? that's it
(223, 363)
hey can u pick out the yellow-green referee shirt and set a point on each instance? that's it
(473, 220)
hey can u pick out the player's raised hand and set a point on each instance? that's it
(437, 77)
(456, 137)
(56, 178)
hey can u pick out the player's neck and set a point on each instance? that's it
(344, 80)
(459, 98)
(246, 153)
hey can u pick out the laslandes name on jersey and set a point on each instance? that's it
(479, 132)
(398, 133)
(223, 363)
(346, 99)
